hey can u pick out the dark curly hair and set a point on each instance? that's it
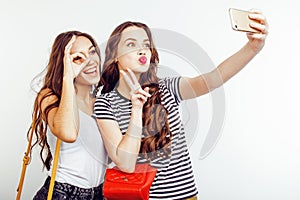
(52, 81)
(156, 132)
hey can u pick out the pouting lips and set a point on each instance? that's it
(143, 60)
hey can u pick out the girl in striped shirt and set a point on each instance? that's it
(138, 113)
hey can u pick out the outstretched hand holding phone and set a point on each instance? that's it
(245, 21)
(252, 22)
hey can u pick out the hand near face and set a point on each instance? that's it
(257, 40)
(138, 96)
(73, 63)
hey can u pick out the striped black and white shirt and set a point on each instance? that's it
(174, 178)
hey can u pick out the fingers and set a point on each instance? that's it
(145, 92)
(137, 93)
(131, 81)
(260, 27)
(85, 62)
(79, 59)
(141, 97)
(258, 36)
(133, 77)
(69, 45)
(134, 82)
(259, 21)
(258, 17)
(128, 81)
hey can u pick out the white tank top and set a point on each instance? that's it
(83, 162)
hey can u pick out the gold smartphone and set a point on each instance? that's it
(240, 20)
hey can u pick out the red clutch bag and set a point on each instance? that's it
(127, 186)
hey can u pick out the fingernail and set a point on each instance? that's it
(251, 15)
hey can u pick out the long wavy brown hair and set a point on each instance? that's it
(156, 132)
(52, 82)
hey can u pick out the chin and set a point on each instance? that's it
(141, 69)
(95, 81)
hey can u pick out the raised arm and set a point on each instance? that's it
(124, 149)
(199, 85)
(63, 120)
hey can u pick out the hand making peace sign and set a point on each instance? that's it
(138, 95)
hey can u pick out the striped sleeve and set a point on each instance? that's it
(172, 84)
(103, 108)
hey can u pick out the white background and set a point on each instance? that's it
(257, 157)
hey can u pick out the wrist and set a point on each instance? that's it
(67, 78)
(137, 136)
(254, 49)
(136, 109)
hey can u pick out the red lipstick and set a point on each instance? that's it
(143, 60)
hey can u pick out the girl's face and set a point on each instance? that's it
(89, 75)
(134, 50)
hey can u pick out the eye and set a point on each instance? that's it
(76, 58)
(147, 45)
(130, 44)
(92, 52)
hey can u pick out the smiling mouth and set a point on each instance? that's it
(91, 70)
(143, 60)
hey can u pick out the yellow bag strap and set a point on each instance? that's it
(55, 162)
(26, 161)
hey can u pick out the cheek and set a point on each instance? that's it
(96, 58)
(127, 60)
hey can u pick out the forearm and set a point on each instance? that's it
(66, 119)
(230, 67)
(129, 146)
(199, 85)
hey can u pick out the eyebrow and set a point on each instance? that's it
(145, 40)
(82, 51)
(91, 47)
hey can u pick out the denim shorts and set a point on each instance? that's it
(69, 192)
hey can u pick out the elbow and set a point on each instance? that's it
(70, 139)
(214, 80)
(70, 136)
(212, 87)
(127, 168)
(67, 135)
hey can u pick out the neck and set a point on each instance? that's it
(84, 98)
(123, 87)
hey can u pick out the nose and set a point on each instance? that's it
(90, 62)
(141, 52)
